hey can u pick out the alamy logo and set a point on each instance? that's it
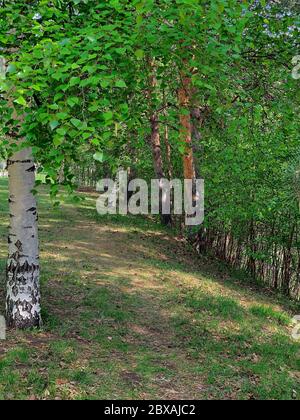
(2, 328)
(123, 197)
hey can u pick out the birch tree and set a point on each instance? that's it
(62, 89)
(156, 142)
(23, 308)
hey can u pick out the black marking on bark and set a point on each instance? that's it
(25, 267)
(21, 268)
(19, 245)
(31, 169)
(33, 298)
(14, 256)
(12, 162)
(19, 322)
(15, 291)
(33, 209)
(22, 278)
(10, 267)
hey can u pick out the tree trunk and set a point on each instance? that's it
(156, 145)
(169, 169)
(23, 271)
(168, 153)
(166, 219)
(184, 99)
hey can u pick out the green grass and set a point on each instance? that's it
(217, 306)
(266, 312)
(130, 312)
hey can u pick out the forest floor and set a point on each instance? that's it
(131, 313)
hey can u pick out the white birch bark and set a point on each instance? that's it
(23, 289)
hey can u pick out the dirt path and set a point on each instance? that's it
(117, 259)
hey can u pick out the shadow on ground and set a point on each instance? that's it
(129, 314)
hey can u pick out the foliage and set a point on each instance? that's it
(78, 76)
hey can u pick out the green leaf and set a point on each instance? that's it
(104, 83)
(108, 116)
(55, 107)
(93, 108)
(74, 81)
(121, 51)
(140, 54)
(11, 68)
(86, 135)
(38, 88)
(99, 157)
(77, 123)
(95, 142)
(72, 101)
(61, 131)
(57, 140)
(120, 84)
(54, 124)
(21, 101)
(62, 115)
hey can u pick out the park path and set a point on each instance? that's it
(131, 312)
(135, 264)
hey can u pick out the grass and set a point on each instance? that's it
(266, 312)
(130, 312)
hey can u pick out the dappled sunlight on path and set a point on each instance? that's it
(130, 312)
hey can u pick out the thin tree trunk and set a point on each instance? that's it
(184, 99)
(156, 145)
(168, 148)
(168, 153)
(23, 271)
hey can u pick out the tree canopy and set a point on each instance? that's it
(78, 71)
